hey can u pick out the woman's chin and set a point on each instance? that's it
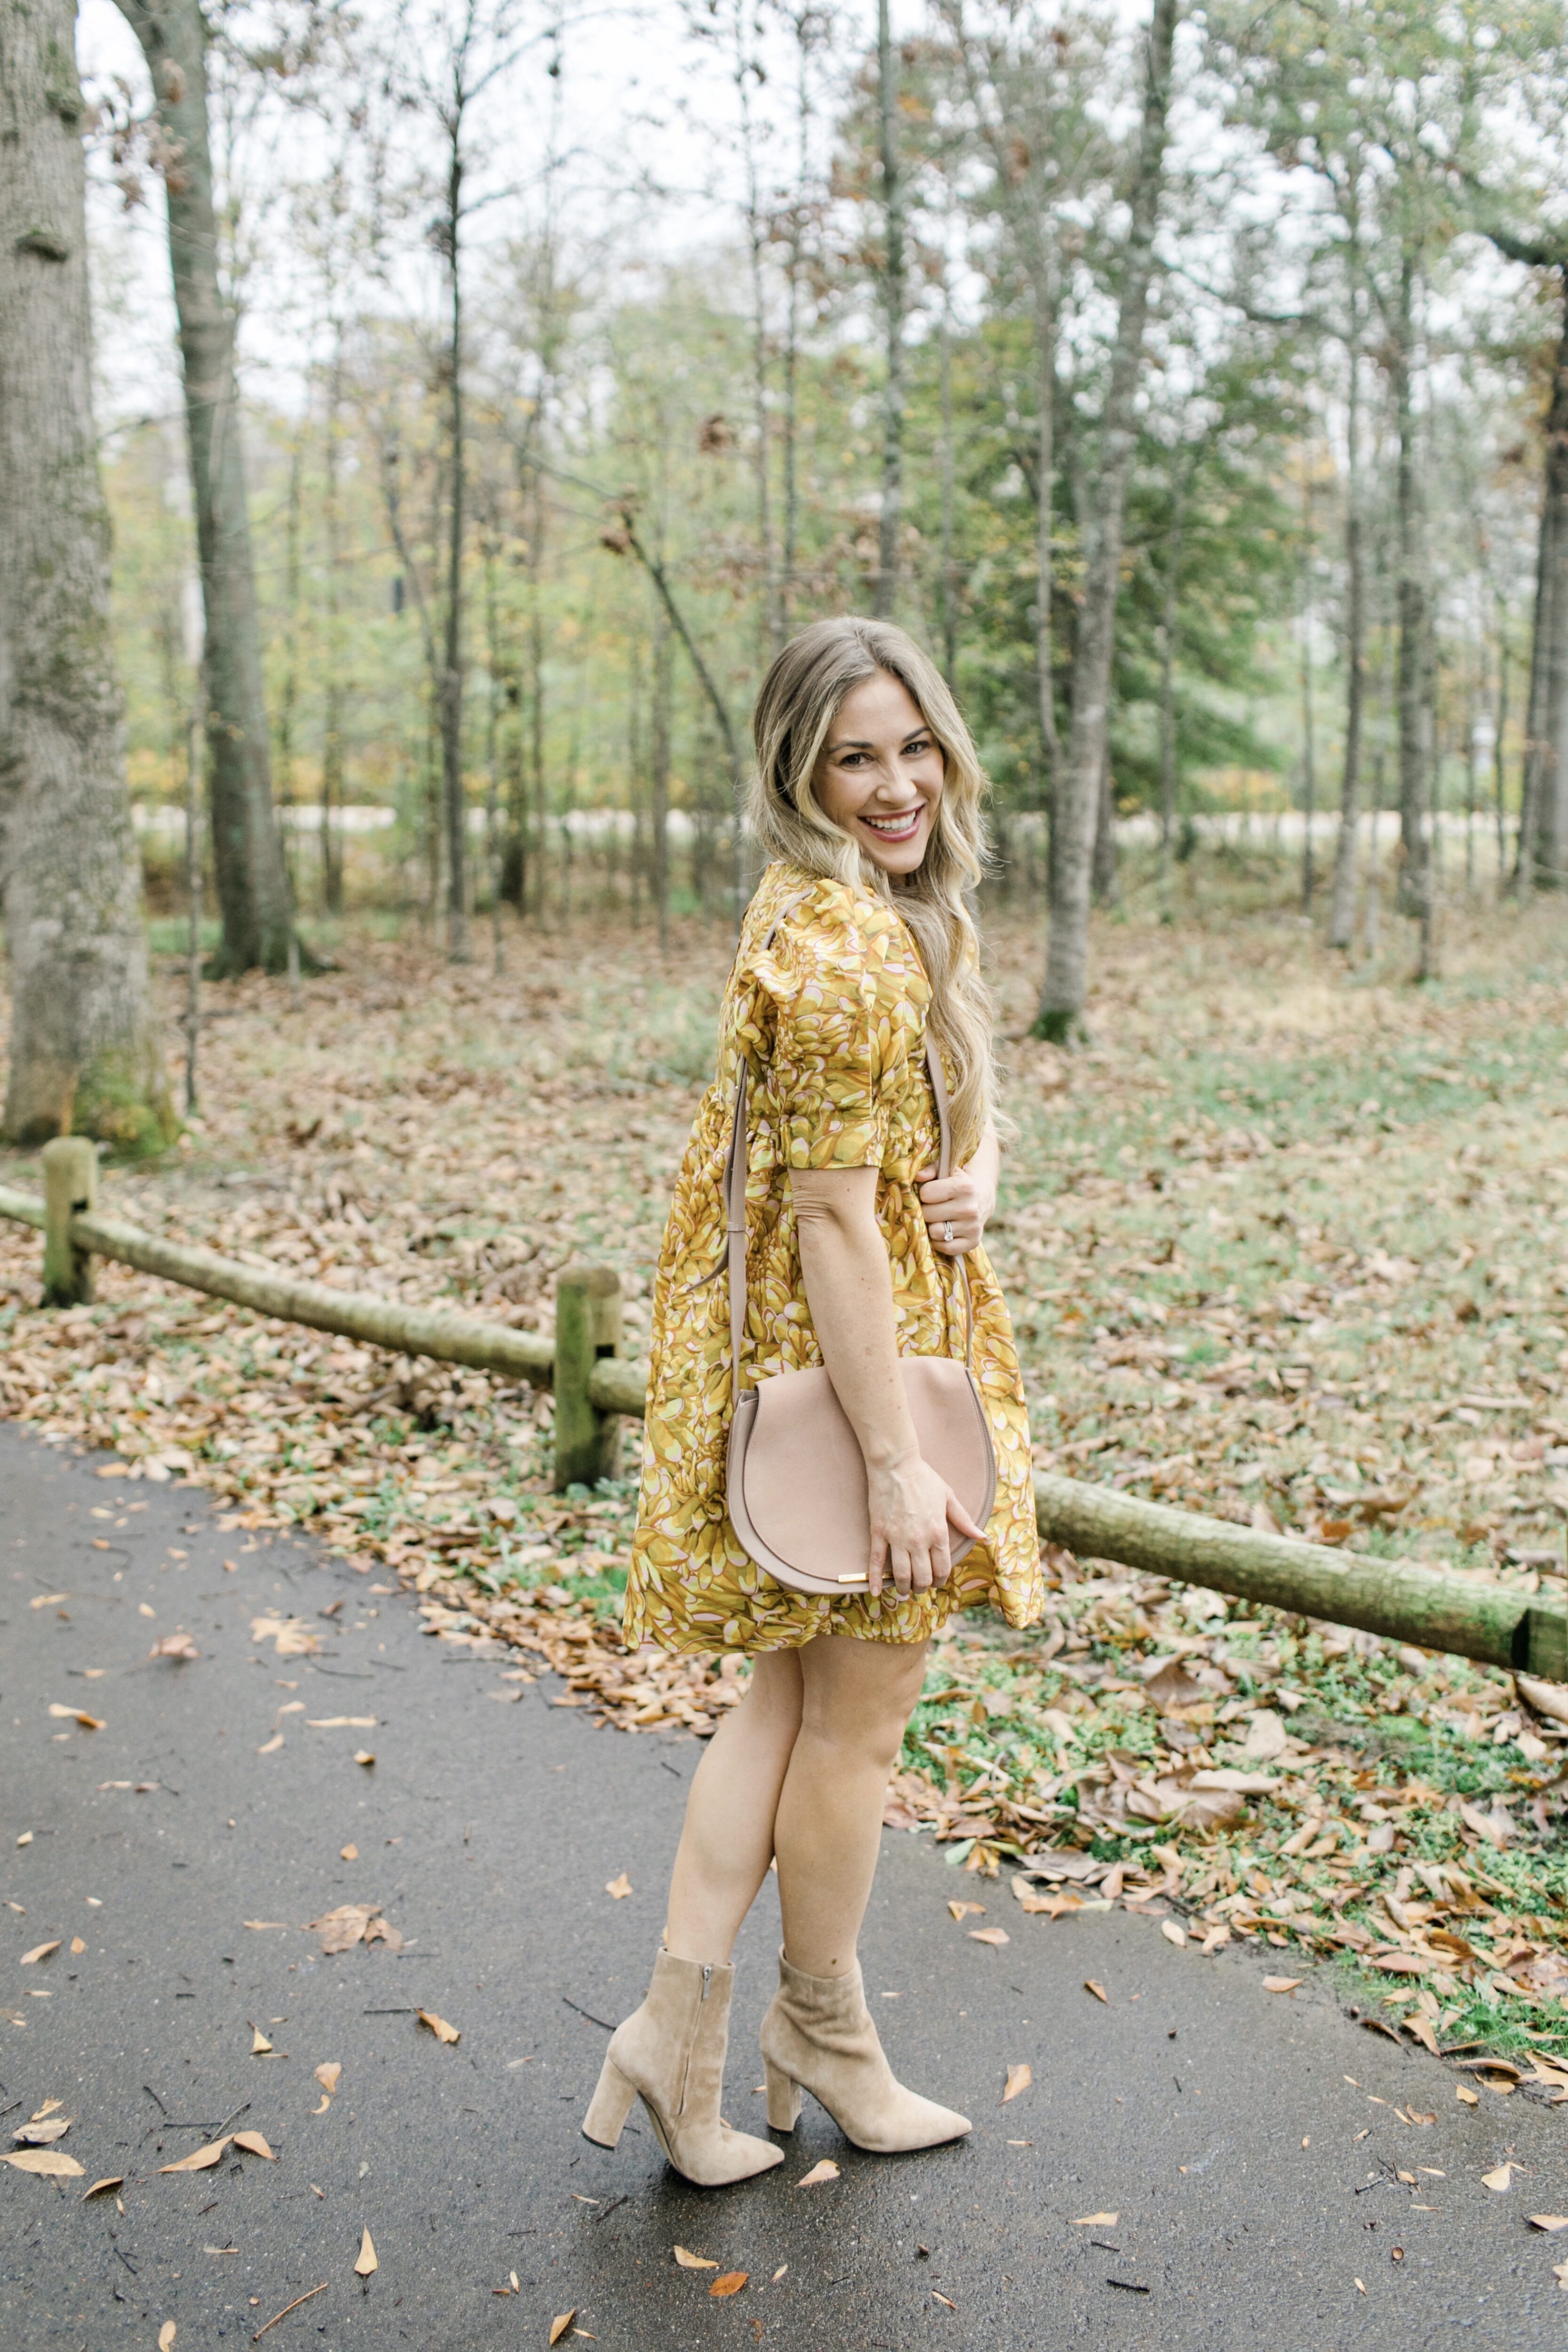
(895, 857)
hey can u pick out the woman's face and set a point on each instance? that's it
(881, 773)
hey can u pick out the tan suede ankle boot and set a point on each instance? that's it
(818, 2036)
(670, 2054)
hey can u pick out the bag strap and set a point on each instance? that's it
(737, 1168)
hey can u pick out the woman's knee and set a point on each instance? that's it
(863, 1701)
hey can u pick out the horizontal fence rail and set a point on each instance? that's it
(595, 1386)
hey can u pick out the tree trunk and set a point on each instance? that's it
(1548, 801)
(1045, 524)
(1103, 868)
(1342, 910)
(85, 1056)
(1415, 862)
(893, 296)
(1060, 1011)
(252, 884)
(659, 863)
(332, 732)
(454, 800)
(1169, 619)
(1309, 731)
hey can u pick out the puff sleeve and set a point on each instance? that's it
(844, 1001)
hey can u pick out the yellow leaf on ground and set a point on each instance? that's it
(111, 2180)
(619, 1887)
(1470, 2098)
(166, 2335)
(254, 2143)
(52, 2162)
(439, 2027)
(691, 2262)
(328, 2075)
(1547, 2221)
(1174, 1934)
(1097, 2221)
(962, 1910)
(1282, 1984)
(558, 2326)
(825, 2170)
(201, 2160)
(259, 2047)
(1500, 2180)
(730, 2283)
(77, 1947)
(995, 1935)
(1097, 1989)
(1018, 2079)
(39, 1952)
(349, 1852)
(367, 2261)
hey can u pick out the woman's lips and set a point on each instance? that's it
(901, 828)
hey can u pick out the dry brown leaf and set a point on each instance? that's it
(1467, 2096)
(270, 1746)
(77, 1947)
(968, 1910)
(366, 2262)
(438, 2026)
(825, 2169)
(993, 1935)
(619, 1887)
(53, 2163)
(364, 1756)
(1097, 1989)
(691, 2262)
(1282, 1984)
(328, 2076)
(558, 2326)
(1560, 2272)
(1174, 1934)
(259, 2047)
(39, 1952)
(77, 1714)
(166, 2334)
(39, 2133)
(292, 1637)
(1097, 2221)
(174, 1646)
(111, 2180)
(340, 1723)
(349, 1853)
(1501, 2178)
(1548, 2222)
(1018, 2079)
(347, 1926)
(730, 2283)
(201, 2160)
(254, 2143)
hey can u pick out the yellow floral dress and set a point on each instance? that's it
(832, 1017)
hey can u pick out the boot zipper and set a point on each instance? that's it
(686, 2071)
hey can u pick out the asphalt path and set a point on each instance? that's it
(1256, 2192)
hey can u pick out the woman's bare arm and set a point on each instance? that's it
(849, 1288)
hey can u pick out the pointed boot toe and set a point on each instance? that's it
(670, 2054)
(818, 2036)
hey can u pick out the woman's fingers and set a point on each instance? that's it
(961, 1519)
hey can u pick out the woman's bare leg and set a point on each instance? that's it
(856, 1698)
(728, 1841)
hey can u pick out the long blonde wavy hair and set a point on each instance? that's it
(799, 700)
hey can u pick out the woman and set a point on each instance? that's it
(867, 796)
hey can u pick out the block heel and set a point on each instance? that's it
(784, 2098)
(609, 2107)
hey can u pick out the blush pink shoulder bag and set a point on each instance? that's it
(796, 1478)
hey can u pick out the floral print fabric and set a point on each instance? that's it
(832, 1018)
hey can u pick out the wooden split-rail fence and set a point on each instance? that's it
(595, 1386)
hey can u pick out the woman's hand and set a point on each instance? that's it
(911, 1509)
(956, 1207)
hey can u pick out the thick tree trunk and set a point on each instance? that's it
(1045, 523)
(85, 1056)
(893, 298)
(453, 668)
(1414, 718)
(252, 884)
(332, 729)
(1102, 871)
(1066, 961)
(1342, 910)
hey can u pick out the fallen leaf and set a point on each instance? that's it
(778, 2274)
(52, 2162)
(328, 2075)
(364, 1756)
(39, 1952)
(1471, 2098)
(270, 1746)
(558, 2326)
(340, 1723)
(1359, 2286)
(367, 2260)
(944, 2299)
(439, 2027)
(201, 2160)
(264, 1923)
(824, 2170)
(691, 2262)
(1018, 2079)
(349, 1853)
(77, 1715)
(77, 1947)
(260, 2047)
(111, 2180)
(1097, 2221)
(290, 1636)
(997, 1937)
(1560, 2272)
(1282, 1984)
(963, 1910)
(41, 2134)
(1548, 2222)
(1174, 1934)
(174, 1646)
(254, 2143)
(166, 2335)
(25, 1838)
(48, 1600)
(619, 1887)
(351, 1922)
(1500, 2180)
(1171, 1686)
(730, 2283)
(1097, 1989)
(49, 2107)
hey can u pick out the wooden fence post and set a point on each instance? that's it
(587, 1327)
(70, 1184)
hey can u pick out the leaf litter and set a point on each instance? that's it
(1283, 1275)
